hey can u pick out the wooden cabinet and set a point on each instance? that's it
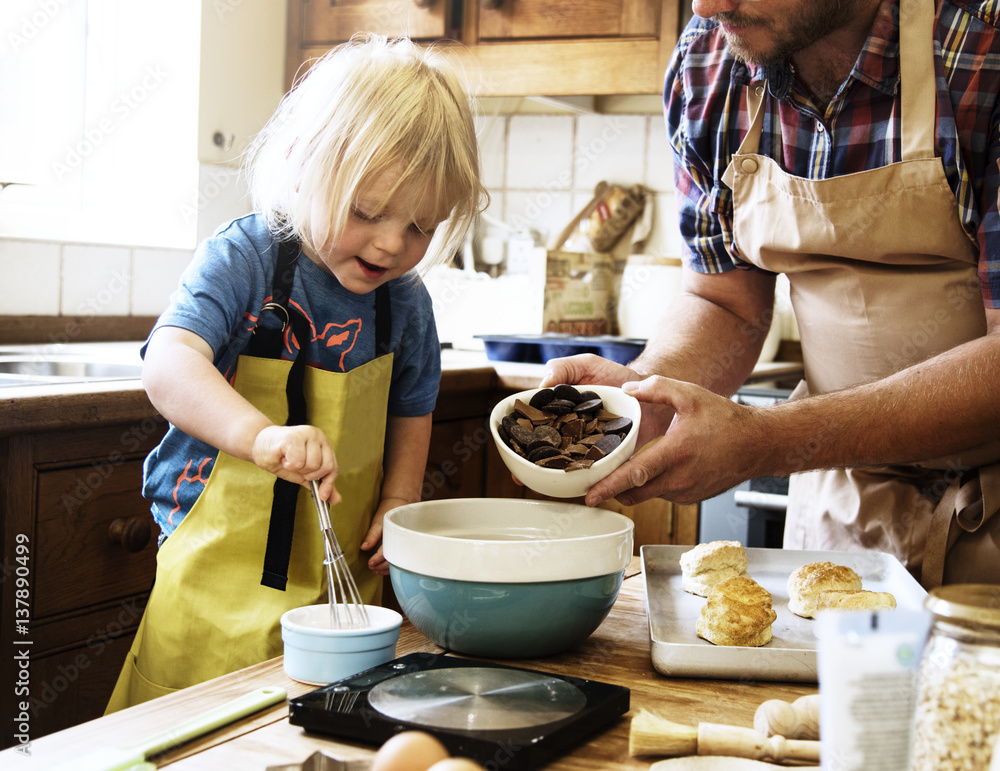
(511, 47)
(79, 551)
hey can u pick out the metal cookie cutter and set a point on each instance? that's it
(320, 761)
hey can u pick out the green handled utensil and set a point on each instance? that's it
(134, 757)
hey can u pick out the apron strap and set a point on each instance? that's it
(268, 340)
(965, 507)
(383, 321)
(281, 526)
(917, 105)
(280, 529)
(751, 142)
(956, 499)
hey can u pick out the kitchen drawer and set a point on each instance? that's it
(100, 540)
(527, 19)
(76, 682)
(328, 22)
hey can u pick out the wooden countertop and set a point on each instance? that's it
(618, 652)
(27, 409)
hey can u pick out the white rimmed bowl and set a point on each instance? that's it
(316, 654)
(506, 577)
(557, 483)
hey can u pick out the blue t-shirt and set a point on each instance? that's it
(219, 299)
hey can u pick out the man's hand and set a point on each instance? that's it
(586, 369)
(699, 455)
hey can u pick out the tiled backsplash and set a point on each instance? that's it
(540, 170)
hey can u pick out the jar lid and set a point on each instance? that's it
(966, 603)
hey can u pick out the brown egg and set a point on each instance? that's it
(456, 764)
(409, 751)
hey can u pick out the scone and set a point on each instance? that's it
(809, 581)
(855, 600)
(738, 612)
(709, 563)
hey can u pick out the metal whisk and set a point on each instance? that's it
(347, 611)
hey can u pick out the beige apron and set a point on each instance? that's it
(882, 276)
(208, 613)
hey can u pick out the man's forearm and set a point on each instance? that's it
(944, 405)
(701, 342)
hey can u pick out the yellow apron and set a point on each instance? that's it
(208, 613)
(882, 276)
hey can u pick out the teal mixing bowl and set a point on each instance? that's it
(506, 578)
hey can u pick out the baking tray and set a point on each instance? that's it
(677, 650)
(538, 349)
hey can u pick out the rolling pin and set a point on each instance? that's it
(653, 735)
(796, 720)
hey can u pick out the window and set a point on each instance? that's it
(100, 117)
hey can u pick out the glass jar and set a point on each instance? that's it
(957, 718)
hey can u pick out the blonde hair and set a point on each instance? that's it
(369, 106)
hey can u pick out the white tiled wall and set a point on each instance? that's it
(57, 279)
(540, 170)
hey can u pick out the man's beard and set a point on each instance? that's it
(813, 21)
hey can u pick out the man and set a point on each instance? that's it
(852, 145)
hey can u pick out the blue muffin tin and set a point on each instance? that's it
(538, 349)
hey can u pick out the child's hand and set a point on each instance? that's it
(377, 562)
(373, 538)
(298, 454)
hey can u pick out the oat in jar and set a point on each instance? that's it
(957, 719)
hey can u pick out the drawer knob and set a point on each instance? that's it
(132, 532)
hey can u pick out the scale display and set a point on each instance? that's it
(494, 714)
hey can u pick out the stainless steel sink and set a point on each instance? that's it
(22, 365)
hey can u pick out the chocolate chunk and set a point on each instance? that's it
(573, 429)
(591, 405)
(617, 426)
(542, 451)
(523, 436)
(541, 398)
(608, 443)
(567, 392)
(531, 413)
(544, 435)
(556, 461)
(560, 406)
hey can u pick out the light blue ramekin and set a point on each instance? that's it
(317, 655)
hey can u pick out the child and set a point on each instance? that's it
(301, 346)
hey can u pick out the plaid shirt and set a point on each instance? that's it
(706, 116)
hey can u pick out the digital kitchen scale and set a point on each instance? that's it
(494, 714)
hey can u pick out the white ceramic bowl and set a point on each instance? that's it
(315, 654)
(506, 577)
(557, 483)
